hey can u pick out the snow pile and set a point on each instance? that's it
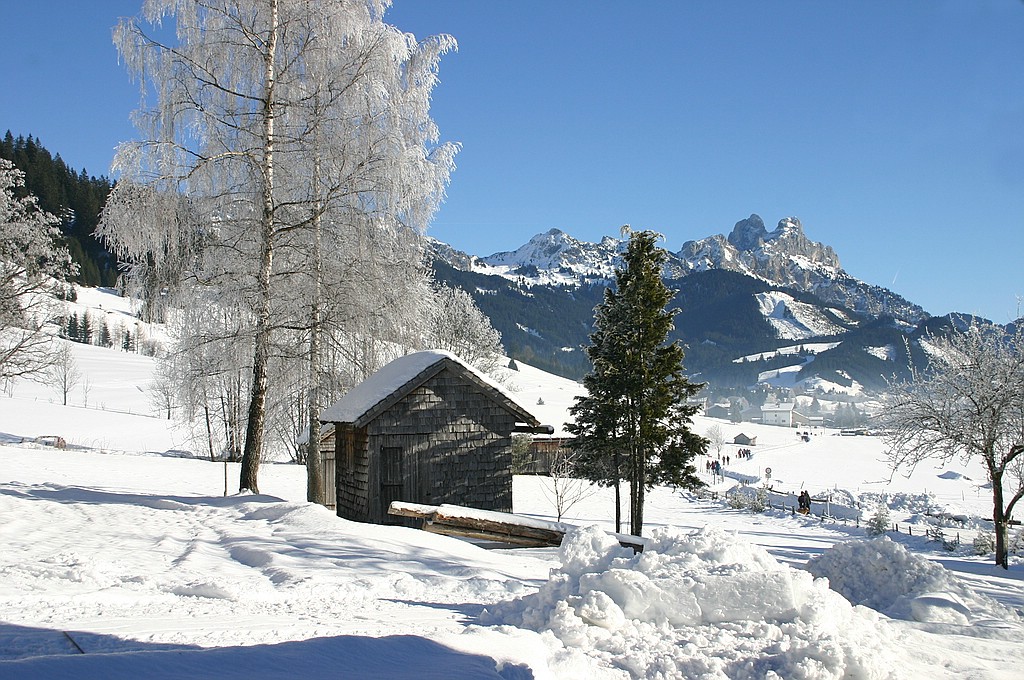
(700, 604)
(885, 576)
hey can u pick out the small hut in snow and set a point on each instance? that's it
(744, 440)
(426, 428)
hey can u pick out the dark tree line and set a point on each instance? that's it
(84, 329)
(75, 197)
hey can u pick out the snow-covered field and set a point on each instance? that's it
(118, 560)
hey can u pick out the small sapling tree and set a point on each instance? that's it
(880, 522)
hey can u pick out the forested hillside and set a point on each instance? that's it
(76, 197)
(546, 327)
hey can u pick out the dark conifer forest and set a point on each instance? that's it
(74, 196)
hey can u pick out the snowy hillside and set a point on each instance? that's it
(119, 558)
(793, 320)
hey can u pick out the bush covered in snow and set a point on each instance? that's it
(1016, 543)
(885, 576)
(984, 543)
(748, 498)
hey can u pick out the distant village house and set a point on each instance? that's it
(784, 414)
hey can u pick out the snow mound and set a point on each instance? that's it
(699, 604)
(885, 576)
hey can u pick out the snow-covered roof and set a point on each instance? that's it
(784, 406)
(405, 374)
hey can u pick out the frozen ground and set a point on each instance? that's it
(116, 565)
(119, 560)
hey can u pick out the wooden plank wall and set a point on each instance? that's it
(456, 447)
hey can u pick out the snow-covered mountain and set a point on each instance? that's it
(555, 257)
(744, 294)
(784, 257)
(787, 258)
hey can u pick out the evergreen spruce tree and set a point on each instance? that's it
(880, 521)
(633, 423)
(105, 340)
(85, 329)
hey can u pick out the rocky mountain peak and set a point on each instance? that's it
(748, 234)
(789, 242)
(787, 226)
(786, 257)
(778, 256)
(557, 257)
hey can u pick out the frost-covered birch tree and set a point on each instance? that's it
(206, 370)
(280, 130)
(456, 324)
(968, 404)
(33, 269)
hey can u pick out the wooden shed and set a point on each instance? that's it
(427, 428)
(744, 440)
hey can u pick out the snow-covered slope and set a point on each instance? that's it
(117, 560)
(121, 565)
(794, 320)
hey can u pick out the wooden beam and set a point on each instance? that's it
(506, 528)
(449, 530)
(488, 525)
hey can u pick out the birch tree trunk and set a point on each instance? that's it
(315, 482)
(253, 451)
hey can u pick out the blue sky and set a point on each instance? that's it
(893, 130)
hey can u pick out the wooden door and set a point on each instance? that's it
(392, 477)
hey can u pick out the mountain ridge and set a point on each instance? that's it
(753, 293)
(783, 257)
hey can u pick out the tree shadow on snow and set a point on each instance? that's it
(20, 642)
(43, 654)
(77, 494)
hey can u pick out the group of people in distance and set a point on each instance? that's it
(804, 501)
